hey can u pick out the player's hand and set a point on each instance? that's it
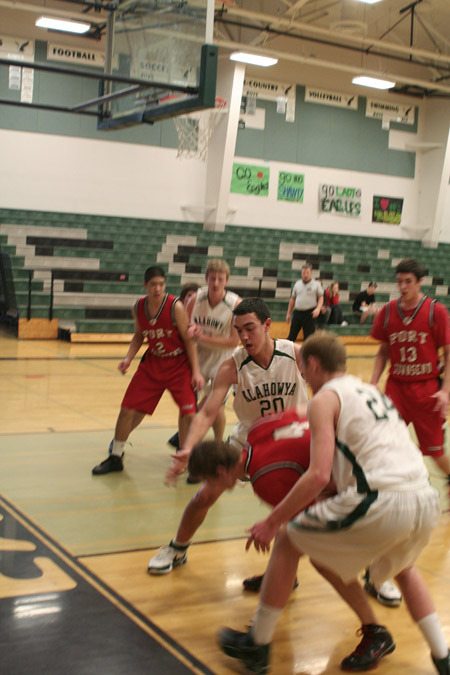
(194, 331)
(124, 365)
(315, 313)
(197, 381)
(177, 467)
(442, 402)
(288, 318)
(260, 535)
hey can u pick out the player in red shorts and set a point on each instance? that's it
(275, 456)
(170, 362)
(412, 329)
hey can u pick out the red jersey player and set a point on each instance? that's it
(412, 329)
(170, 362)
(274, 458)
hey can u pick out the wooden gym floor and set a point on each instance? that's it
(75, 596)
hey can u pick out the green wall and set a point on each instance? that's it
(321, 135)
(326, 136)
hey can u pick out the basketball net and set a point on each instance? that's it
(195, 130)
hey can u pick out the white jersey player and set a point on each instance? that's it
(266, 379)
(212, 315)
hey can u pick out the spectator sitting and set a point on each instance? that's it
(364, 303)
(331, 310)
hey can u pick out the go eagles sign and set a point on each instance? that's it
(341, 201)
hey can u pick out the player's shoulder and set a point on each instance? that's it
(231, 299)
(283, 347)
(202, 294)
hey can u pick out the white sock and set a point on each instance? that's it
(264, 622)
(118, 448)
(432, 630)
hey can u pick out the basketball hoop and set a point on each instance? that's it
(195, 130)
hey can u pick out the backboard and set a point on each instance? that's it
(160, 49)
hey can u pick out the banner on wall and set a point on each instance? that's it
(387, 210)
(79, 55)
(248, 179)
(19, 79)
(338, 200)
(332, 98)
(395, 112)
(283, 93)
(291, 187)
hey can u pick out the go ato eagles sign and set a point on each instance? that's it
(338, 200)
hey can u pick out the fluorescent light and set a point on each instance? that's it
(374, 82)
(370, 2)
(253, 59)
(63, 25)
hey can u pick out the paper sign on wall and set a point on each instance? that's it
(341, 201)
(80, 55)
(334, 98)
(20, 79)
(395, 112)
(291, 186)
(272, 91)
(250, 180)
(387, 210)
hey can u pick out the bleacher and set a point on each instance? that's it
(97, 264)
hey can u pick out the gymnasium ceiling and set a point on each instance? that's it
(318, 42)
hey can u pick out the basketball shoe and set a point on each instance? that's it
(242, 646)
(376, 643)
(167, 558)
(386, 593)
(442, 665)
(111, 463)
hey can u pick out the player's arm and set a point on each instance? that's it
(379, 332)
(134, 346)
(203, 420)
(379, 364)
(323, 413)
(182, 323)
(216, 341)
(443, 395)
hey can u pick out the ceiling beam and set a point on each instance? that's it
(52, 11)
(333, 65)
(268, 20)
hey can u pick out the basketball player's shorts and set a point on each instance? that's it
(387, 539)
(414, 401)
(278, 448)
(153, 376)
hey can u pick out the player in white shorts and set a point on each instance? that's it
(381, 516)
(266, 378)
(210, 312)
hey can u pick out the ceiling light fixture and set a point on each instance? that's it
(62, 25)
(374, 82)
(253, 59)
(370, 2)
